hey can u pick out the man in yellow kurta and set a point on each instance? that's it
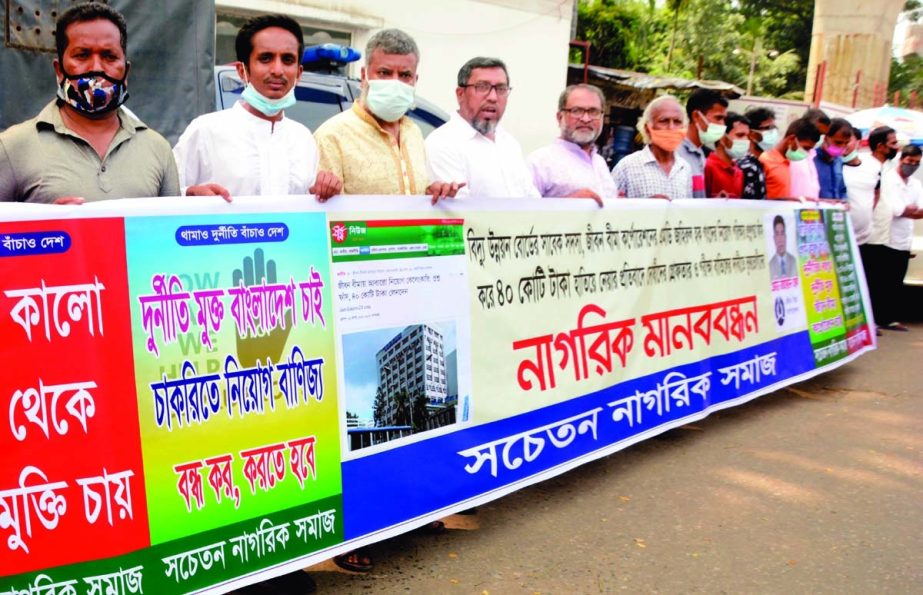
(374, 147)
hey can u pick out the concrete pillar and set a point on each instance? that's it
(852, 37)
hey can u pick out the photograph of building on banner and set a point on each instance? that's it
(402, 323)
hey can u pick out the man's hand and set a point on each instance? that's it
(441, 190)
(326, 184)
(586, 193)
(209, 189)
(70, 200)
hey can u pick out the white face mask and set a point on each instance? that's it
(770, 139)
(711, 134)
(389, 99)
(739, 149)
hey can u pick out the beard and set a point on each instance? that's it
(582, 138)
(485, 127)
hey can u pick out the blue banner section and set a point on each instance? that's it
(484, 458)
(243, 233)
(36, 242)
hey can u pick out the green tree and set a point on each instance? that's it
(402, 408)
(379, 407)
(906, 76)
(622, 33)
(420, 413)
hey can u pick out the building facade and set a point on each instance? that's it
(413, 361)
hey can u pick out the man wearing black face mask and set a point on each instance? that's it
(83, 145)
(901, 202)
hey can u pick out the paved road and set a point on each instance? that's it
(814, 489)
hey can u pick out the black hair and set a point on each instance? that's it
(733, 118)
(879, 136)
(82, 13)
(912, 151)
(857, 133)
(758, 115)
(838, 124)
(778, 220)
(816, 116)
(803, 129)
(243, 44)
(702, 100)
(464, 73)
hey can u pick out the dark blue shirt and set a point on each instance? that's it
(830, 175)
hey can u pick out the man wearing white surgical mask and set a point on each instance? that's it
(252, 149)
(723, 177)
(374, 147)
(706, 110)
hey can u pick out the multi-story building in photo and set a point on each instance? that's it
(414, 361)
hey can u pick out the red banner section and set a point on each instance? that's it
(71, 474)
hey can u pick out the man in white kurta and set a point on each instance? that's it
(247, 155)
(471, 147)
(252, 149)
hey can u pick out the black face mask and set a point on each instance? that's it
(892, 153)
(908, 170)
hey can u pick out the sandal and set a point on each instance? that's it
(354, 562)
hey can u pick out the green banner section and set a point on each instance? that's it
(356, 241)
(203, 560)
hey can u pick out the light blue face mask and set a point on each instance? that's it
(264, 105)
(711, 134)
(739, 149)
(770, 138)
(389, 99)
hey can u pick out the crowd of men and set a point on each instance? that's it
(84, 146)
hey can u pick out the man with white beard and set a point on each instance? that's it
(472, 147)
(570, 166)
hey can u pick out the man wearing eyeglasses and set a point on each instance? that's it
(570, 166)
(472, 147)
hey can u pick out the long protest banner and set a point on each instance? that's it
(197, 396)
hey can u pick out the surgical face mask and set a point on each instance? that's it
(851, 156)
(669, 140)
(739, 149)
(93, 93)
(266, 106)
(820, 141)
(834, 151)
(908, 170)
(797, 154)
(711, 134)
(389, 99)
(770, 139)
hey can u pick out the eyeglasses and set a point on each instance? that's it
(484, 88)
(579, 112)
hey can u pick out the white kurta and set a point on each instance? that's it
(456, 152)
(247, 155)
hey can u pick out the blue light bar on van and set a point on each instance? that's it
(329, 52)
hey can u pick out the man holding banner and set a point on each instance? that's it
(84, 145)
(252, 148)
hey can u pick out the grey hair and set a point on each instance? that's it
(562, 100)
(391, 41)
(464, 74)
(649, 111)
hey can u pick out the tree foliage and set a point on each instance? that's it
(711, 39)
(906, 76)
